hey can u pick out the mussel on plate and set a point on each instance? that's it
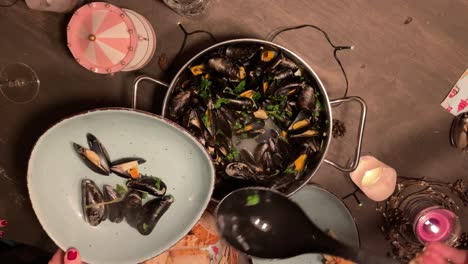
(94, 212)
(152, 212)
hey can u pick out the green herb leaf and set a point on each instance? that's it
(252, 200)
(256, 96)
(157, 183)
(319, 105)
(233, 154)
(244, 135)
(240, 87)
(237, 125)
(120, 189)
(144, 195)
(221, 101)
(289, 170)
(205, 120)
(204, 86)
(145, 227)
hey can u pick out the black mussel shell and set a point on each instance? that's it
(459, 132)
(307, 98)
(260, 149)
(91, 195)
(178, 104)
(132, 206)
(225, 66)
(96, 146)
(248, 158)
(115, 210)
(121, 167)
(281, 74)
(302, 121)
(93, 161)
(282, 61)
(152, 185)
(239, 170)
(152, 211)
(241, 52)
(288, 89)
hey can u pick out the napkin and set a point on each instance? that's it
(456, 101)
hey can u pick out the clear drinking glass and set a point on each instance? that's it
(188, 7)
(19, 83)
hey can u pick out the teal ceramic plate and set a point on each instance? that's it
(329, 213)
(55, 173)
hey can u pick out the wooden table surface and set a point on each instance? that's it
(403, 71)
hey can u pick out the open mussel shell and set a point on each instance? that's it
(132, 206)
(114, 210)
(459, 132)
(91, 195)
(152, 212)
(127, 167)
(307, 98)
(94, 161)
(178, 103)
(239, 170)
(152, 185)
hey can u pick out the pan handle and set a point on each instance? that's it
(137, 83)
(362, 122)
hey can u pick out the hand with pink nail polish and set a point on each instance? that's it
(438, 253)
(70, 257)
(3, 223)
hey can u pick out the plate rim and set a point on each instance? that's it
(130, 111)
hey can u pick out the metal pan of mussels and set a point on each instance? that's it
(261, 112)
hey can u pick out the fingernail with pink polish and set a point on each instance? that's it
(3, 223)
(72, 254)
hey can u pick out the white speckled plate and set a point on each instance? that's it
(329, 213)
(55, 173)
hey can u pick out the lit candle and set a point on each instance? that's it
(375, 179)
(436, 224)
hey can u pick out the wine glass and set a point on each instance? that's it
(19, 83)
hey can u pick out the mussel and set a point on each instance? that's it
(132, 206)
(301, 121)
(152, 185)
(96, 157)
(241, 53)
(127, 167)
(178, 103)
(226, 66)
(282, 61)
(288, 89)
(91, 196)
(459, 132)
(253, 128)
(152, 212)
(307, 98)
(239, 170)
(115, 210)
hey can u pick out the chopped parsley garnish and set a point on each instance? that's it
(206, 121)
(157, 183)
(237, 125)
(232, 155)
(240, 87)
(256, 96)
(252, 200)
(289, 170)
(220, 102)
(204, 86)
(145, 227)
(244, 135)
(121, 190)
(144, 195)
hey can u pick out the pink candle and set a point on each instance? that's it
(436, 224)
